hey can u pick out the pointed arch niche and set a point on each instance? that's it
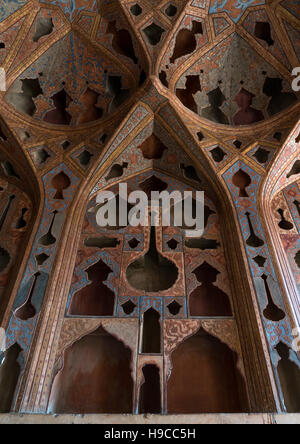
(280, 197)
(20, 199)
(158, 271)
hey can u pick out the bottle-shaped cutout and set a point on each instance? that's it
(271, 312)
(27, 310)
(284, 223)
(152, 272)
(241, 180)
(6, 210)
(48, 238)
(60, 182)
(22, 222)
(253, 240)
(297, 205)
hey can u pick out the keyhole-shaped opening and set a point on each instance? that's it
(48, 238)
(60, 182)
(150, 393)
(253, 240)
(151, 332)
(241, 180)
(271, 312)
(27, 310)
(152, 272)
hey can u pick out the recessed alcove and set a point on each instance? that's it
(153, 33)
(9, 373)
(186, 41)
(59, 114)
(152, 272)
(95, 377)
(96, 298)
(150, 392)
(122, 41)
(44, 26)
(289, 375)
(205, 378)
(263, 32)
(208, 299)
(151, 332)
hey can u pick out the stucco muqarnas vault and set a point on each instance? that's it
(163, 95)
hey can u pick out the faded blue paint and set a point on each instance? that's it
(234, 8)
(8, 7)
(70, 8)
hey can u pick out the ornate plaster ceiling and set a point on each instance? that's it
(70, 62)
(73, 61)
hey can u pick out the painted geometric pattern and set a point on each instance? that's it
(73, 7)
(234, 8)
(8, 7)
